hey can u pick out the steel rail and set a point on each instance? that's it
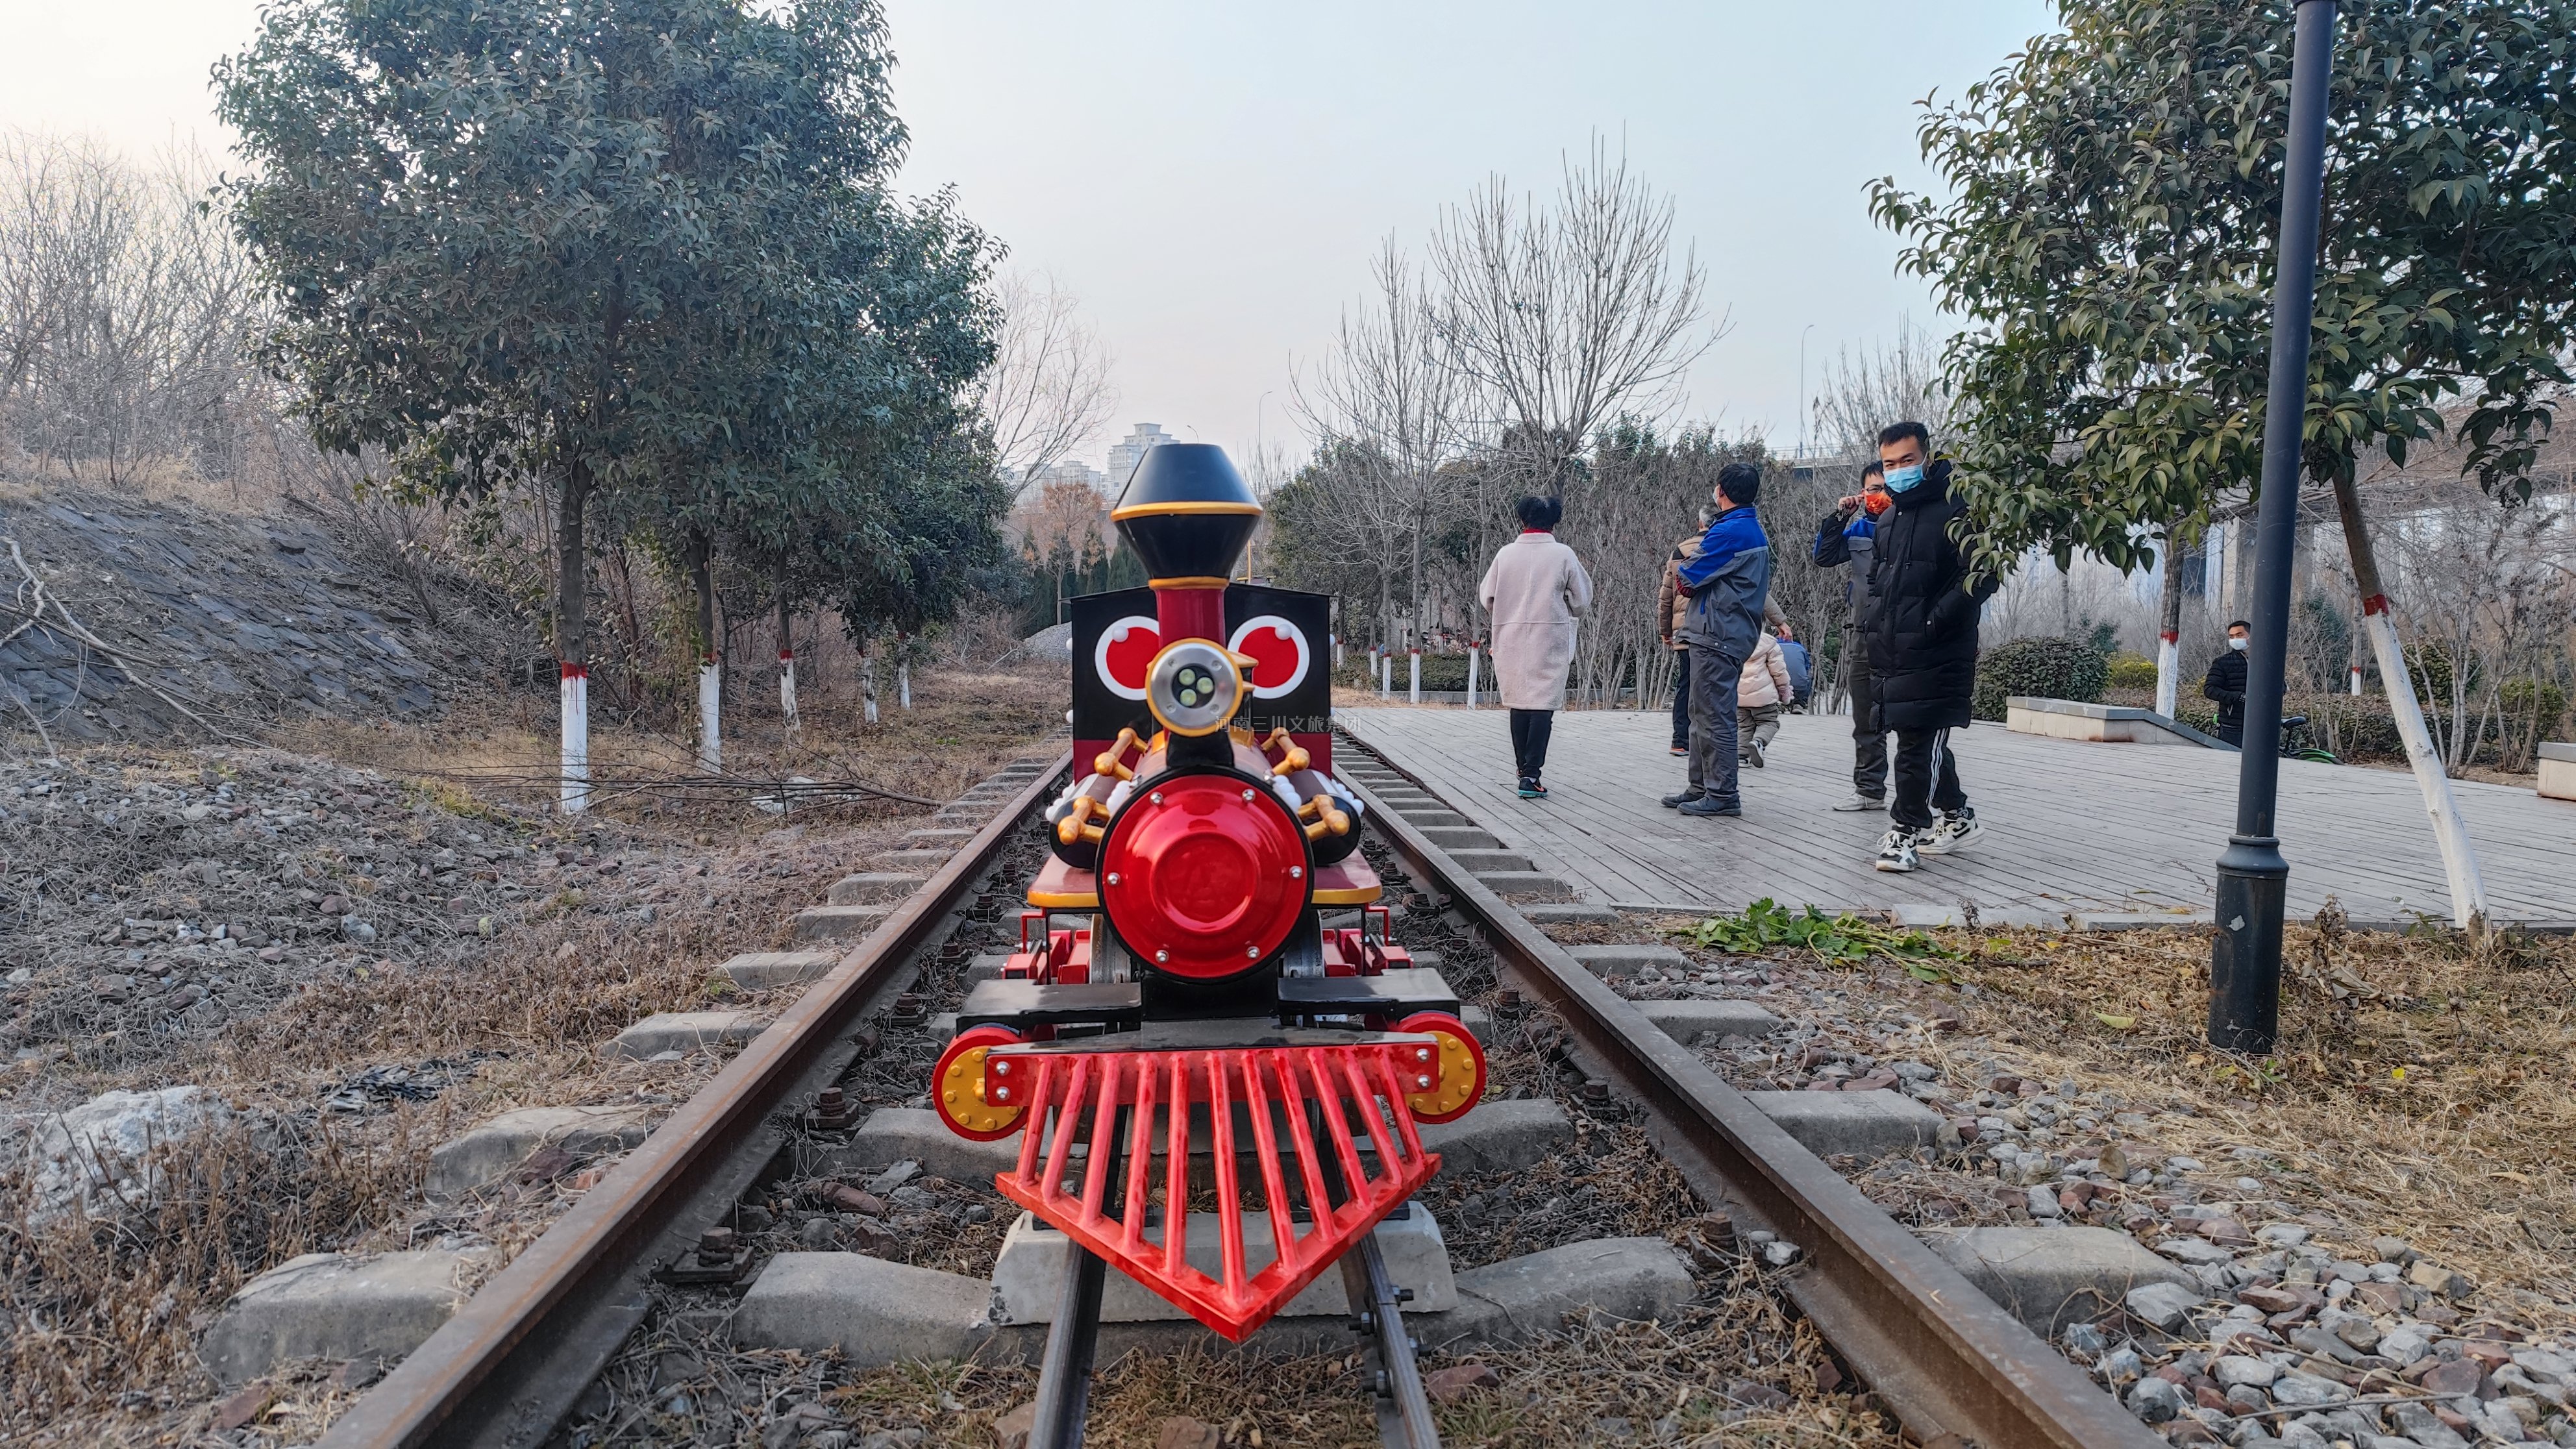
(1947, 1359)
(489, 1376)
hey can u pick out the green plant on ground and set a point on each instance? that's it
(1839, 940)
(2045, 668)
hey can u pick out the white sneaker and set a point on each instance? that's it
(1952, 833)
(1753, 753)
(1896, 852)
(1859, 802)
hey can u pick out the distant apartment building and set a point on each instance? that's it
(1128, 451)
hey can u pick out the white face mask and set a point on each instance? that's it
(2237, 644)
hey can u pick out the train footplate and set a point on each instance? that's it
(1341, 1195)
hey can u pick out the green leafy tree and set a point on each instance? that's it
(2109, 240)
(507, 235)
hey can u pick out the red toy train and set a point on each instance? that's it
(1204, 964)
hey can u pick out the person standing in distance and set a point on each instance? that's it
(1535, 590)
(2226, 684)
(1728, 581)
(1922, 633)
(1848, 536)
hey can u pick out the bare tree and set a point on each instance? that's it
(1048, 389)
(1570, 314)
(1391, 392)
(1887, 382)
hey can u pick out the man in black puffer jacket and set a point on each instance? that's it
(2225, 685)
(1922, 636)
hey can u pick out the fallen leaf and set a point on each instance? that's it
(2116, 1023)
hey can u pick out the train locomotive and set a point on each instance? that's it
(1205, 970)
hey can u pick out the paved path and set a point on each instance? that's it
(2112, 828)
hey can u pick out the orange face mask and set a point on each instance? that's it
(1874, 501)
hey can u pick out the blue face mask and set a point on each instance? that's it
(1902, 480)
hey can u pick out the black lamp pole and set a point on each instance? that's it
(2253, 879)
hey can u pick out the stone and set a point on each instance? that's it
(2236, 1369)
(2166, 1305)
(1028, 1273)
(1525, 885)
(2454, 1376)
(2300, 1389)
(334, 1306)
(1857, 1124)
(2404, 1345)
(2419, 1423)
(2281, 1235)
(2393, 1250)
(872, 888)
(2051, 1278)
(761, 970)
(2155, 1400)
(1633, 1279)
(1689, 1020)
(684, 1031)
(839, 923)
(95, 1153)
(873, 1312)
(1625, 960)
(2194, 1251)
(1569, 913)
(2432, 1277)
(475, 1159)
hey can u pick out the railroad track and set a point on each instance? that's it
(1954, 1368)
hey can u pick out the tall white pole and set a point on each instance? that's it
(1472, 653)
(1414, 663)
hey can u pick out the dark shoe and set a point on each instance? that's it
(1529, 789)
(1675, 802)
(1538, 788)
(1681, 749)
(1709, 805)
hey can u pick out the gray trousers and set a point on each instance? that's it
(1714, 680)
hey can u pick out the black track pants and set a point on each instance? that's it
(1927, 775)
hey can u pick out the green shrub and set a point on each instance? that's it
(2132, 671)
(2048, 668)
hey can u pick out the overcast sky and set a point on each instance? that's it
(1210, 176)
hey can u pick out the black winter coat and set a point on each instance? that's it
(2226, 686)
(1922, 622)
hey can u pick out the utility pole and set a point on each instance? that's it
(2253, 879)
(1802, 391)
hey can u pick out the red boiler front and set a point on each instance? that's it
(1204, 875)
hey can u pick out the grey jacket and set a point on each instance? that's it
(1729, 582)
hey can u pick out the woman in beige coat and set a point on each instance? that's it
(1534, 592)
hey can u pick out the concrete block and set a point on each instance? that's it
(760, 970)
(1637, 1279)
(928, 858)
(1455, 838)
(334, 1306)
(873, 888)
(943, 1027)
(987, 967)
(1483, 861)
(1857, 1124)
(2051, 1277)
(1525, 885)
(838, 923)
(915, 1134)
(934, 835)
(1500, 1137)
(685, 1031)
(1427, 815)
(486, 1154)
(1028, 1274)
(1626, 960)
(1568, 913)
(2124, 921)
(1688, 1021)
(2557, 771)
(873, 1312)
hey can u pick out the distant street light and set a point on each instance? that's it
(2253, 878)
(1802, 390)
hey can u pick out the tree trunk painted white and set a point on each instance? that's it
(1472, 656)
(2169, 629)
(1337, 651)
(576, 739)
(2168, 675)
(868, 688)
(903, 682)
(1413, 685)
(1386, 675)
(711, 715)
(2356, 679)
(787, 687)
(2450, 832)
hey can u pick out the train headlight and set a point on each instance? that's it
(1194, 687)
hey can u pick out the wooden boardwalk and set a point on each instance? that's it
(2114, 829)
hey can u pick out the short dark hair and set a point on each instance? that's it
(1895, 433)
(1540, 511)
(1876, 469)
(2240, 624)
(1740, 482)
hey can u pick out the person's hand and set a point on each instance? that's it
(1786, 632)
(1847, 504)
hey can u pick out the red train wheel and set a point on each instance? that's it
(957, 1086)
(1462, 1068)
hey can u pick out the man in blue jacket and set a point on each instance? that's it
(1728, 581)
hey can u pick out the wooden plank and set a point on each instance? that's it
(2070, 825)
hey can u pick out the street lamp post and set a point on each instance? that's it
(1802, 390)
(2253, 879)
